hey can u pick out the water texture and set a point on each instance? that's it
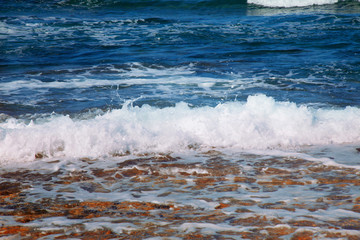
(179, 119)
(76, 63)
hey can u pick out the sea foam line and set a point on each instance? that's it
(259, 123)
(291, 3)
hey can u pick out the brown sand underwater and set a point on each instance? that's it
(168, 197)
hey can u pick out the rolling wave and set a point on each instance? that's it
(291, 3)
(259, 123)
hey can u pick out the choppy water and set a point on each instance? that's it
(88, 78)
(186, 119)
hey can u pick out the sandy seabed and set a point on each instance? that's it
(204, 196)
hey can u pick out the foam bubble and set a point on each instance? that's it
(291, 3)
(259, 123)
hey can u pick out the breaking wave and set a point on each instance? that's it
(259, 123)
(292, 3)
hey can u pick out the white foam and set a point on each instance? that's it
(165, 82)
(73, 83)
(136, 75)
(175, 170)
(260, 123)
(103, 222)
(290, 3)
(209, 228)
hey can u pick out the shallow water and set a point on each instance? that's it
(203, 195)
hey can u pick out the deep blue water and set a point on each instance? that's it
(305, 55)
(79, 56)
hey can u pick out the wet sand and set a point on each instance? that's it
(206, 196)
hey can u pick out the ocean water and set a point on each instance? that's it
(229, 119)
(98, 79)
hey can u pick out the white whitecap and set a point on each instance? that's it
(291, 3)
(260, 123)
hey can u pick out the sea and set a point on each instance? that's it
(112, 80)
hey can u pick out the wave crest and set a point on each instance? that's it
(259, 123)
(292, 3)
